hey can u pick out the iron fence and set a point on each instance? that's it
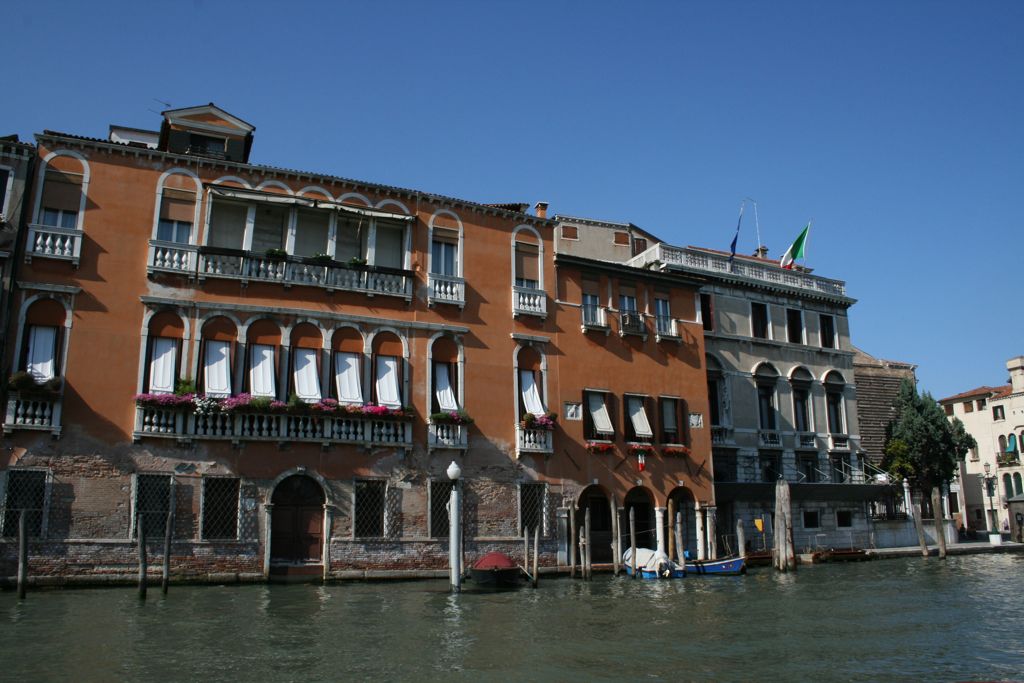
(440, 495)
(533, 508)
(25, 492)
(369, 508)
(220, 508)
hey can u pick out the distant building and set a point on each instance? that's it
(994, 416)
(878, 384)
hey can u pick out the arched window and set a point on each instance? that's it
(176, 217)
(388, 377)
(219, 336)
(531, 381)
(765, 378)
(801, 381)
(1018, 485)
(306, 343)
(62, 196)
(347, 345)
(163, 354)
(1007, 486)
(446, 379)
(834, 387)
(1011, 444)
(527, 261)
(43, 340)
(1002, 444)
(263, 348)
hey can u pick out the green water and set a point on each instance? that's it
(909, 619)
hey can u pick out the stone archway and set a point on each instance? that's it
(683, 503)
(297, 522)
(595, 498)
(641, 500)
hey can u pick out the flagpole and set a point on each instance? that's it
(807, 239)
(757, 223)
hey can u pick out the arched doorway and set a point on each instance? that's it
(683, 504)
(641, 500)
(595, 499)
(297, 522)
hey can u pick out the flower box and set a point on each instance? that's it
(600, 446)
(451, 417)
(644, 449)
(681, 451)
(546, 421)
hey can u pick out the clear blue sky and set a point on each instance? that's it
(896, 126)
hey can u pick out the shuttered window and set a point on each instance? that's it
(217, 368)
(163, 365)
(530, 393)
(346, 377)
(598, 409)
(388, 391)
(443, 388)
(306, 374)
(261, 370)
(42, 346)
(638, 417)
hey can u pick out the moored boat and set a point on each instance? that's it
(496, 570)
(730, 566)
(650, 564)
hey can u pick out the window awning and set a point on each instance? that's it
(638, 416)
(364, 211)
(443, 388)
(162, 365)
(388, 392)
(307, 376)
(346, 377)
(257, 196)
(531, 395)
(599, 414)
(261, 370)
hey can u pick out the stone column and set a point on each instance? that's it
(699, 516)
(659, 526)
(907, 502)
(712, 533)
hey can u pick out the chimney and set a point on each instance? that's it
(761, 252)
(541, 209)
(1016, 368)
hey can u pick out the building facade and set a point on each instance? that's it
(284, 363)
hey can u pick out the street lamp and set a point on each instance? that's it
(454, 533)
(990, 487)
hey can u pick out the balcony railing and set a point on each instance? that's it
(534, 440)
(233, 264)
(1007, 459)
(666, 328)
(839, 442)
(448, 436)
(594, 318)
(354, 429)
(696, 259)
(33, 412)
(447, 289)
(806, 440)
(631, 322)
(47, 241)
(769, 437)
(529, 301)
(721, 436)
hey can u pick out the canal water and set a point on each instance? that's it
(908, 619)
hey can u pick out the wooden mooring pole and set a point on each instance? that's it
(680, 549)
(142, 557)
(572, 542)
(671, 528)
(616, 539)
(536, 553)
(165, 578)
(590, 558)
(741, 539)
(22, 554)
(632, 539)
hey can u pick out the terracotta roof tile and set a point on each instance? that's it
(986, 391)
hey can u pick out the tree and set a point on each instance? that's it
(924, 448)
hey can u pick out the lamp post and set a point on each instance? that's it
(990, 486)
(454, 531)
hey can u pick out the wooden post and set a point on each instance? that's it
(616, 540)
(583, 552)
(22, 554)
(741, 539)
(790, 556)
(142, 557)
(680, 548)
(165, 579)
(938, 514)
(536, 545)
(920, 530)
(590, 558)
(780, 548)
(632, 539)
(526, 547)
(572, 542)
(671, 528)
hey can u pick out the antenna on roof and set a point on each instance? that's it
(166, 105)
(757, 224)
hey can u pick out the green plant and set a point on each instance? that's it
(24, 382)
(276, 254)
(451, 417)
(356, 261)
(323, 259)
(185, 385)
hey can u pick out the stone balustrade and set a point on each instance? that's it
(26, 411)
(529, 301)
(534, 440)
(446, 289)
(47, 241)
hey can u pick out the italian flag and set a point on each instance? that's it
(796, 250)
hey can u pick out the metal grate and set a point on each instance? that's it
(532, 507)
(26, 490)
(152, 503)
(369, 508)
(220, 508)
(440, 496)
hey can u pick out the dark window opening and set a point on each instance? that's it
(795, 326)
(369, 508)
(827, 331)
(707, 312)
(220, 508)
(26, 490)
(440, 496)
(844, 518)
(531, 507)
(759, 320)
(152, 504)
(812, 519)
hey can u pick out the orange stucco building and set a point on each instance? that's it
(288, 361)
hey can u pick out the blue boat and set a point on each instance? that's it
(731, 566)
(651, 564)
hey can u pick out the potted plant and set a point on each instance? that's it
(451, 417)
(148, 400)
(275, 254)
(322, 259)
(675, 450)
(641, 449)
(356, 261)
(24, 383)
(546, 421)
(600, 446)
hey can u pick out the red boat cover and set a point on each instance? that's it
(495, 560)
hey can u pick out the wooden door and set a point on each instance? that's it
(297, 521)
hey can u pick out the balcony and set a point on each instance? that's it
(721, 436)
(233, 264)
(806, 440)
(237, 427)
(534, 440)
(446, 289)
(631, 322)
(529, 301)
(594, 318)
(769, 438)
(666, 329)
(47, 241)
(1007, 459)
(40, 413)
(448, 436)
(839, 442)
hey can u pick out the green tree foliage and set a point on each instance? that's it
(922, 446)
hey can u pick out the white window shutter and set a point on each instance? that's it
(599, 414)
(530, 393)
(307, 377)
(638, 416)
(42, 341)
(388, 393)
(261, 371)
(346, 377)
(217, 368)
(443, 388)
(163, 365)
